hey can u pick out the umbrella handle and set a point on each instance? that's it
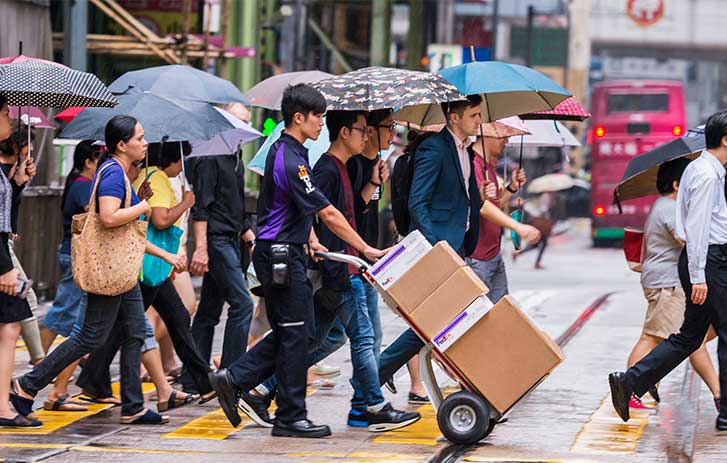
(185, 185)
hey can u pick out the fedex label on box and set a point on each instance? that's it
(400, 259)
(462, 323)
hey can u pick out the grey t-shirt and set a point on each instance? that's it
(662, 249)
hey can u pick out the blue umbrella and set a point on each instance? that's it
(507, 89)
(227, 142)
(316, 149)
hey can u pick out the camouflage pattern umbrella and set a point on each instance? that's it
(414, 96)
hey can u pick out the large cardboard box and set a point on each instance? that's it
(422, 279)
(503, 353)
(404, 255)
(446, 302)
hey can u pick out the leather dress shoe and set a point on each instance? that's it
(226, 394)
(300, 428)
(721, 422)
(620, 394)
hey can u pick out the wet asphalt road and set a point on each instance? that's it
(567, 418)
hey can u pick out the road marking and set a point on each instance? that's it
(214, 425)
(55, 420)
(358, 457)
(517, 460)
(605, 432)
(423, 432)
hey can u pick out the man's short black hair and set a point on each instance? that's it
(669, 172)
(302, 99)
(336, 120)
(715, 129)
(377, 116)
(460, 106)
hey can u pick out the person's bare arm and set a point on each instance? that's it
(200, 259)
(492, 213)
(164, 217)
(111, 214)
(175, 260)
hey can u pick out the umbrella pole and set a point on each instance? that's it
(472, 53)
(184, 172)
(484, 156)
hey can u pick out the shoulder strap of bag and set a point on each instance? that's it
(92, 200)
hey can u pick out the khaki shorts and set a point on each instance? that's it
(665, 314)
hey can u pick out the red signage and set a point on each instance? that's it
(645, 12)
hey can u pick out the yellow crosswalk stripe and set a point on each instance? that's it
(213, 425)
(423, 432)
(55, 420)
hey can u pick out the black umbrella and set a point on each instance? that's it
(639, 180)
(34, 82)
(180, 82)
(164, 119)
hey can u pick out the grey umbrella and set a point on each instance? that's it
(164, 119)
(181, 82)
(269, 93)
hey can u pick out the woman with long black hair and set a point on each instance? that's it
(126, 144)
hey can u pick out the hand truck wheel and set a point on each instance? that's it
(464, 418)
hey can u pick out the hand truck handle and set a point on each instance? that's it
(357, 262)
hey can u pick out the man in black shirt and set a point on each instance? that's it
(218, 222)
(289, 200)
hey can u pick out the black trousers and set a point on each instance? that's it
(96, 378)
(282, 352)
(697, 318)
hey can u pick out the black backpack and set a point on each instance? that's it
(401, 179)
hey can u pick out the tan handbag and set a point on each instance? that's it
(106, 261)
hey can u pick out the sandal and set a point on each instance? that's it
(64, 404)
(174, 402)
(86, 397)
(19, 422)
(149, 417)
(211, 397)
(21, 404)
(415, 399)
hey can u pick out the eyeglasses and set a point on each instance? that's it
(360, 129)
(391, 127)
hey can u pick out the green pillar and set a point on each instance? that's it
(380, 32)
(244, 31)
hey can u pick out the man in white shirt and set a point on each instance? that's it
(701, 222)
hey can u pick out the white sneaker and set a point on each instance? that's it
(323, 370)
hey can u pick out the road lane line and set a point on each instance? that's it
(215, 425)
(605, 432)
(55, 420)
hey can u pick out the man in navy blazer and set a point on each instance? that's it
(444, 202)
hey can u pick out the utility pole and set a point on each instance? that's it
(566, 59)
(414, 38)
(495, 22)
(380, 32)
(75, 27)
(529, 41)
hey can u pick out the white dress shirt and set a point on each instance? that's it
(464, 162)
(701, 211)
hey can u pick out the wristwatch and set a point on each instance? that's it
(509, 188)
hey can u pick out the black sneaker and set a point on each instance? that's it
(301, 428)
(620, 394)
(256, 408)
(391, 385)
(389, 418)
(654, 393)
(721, 424)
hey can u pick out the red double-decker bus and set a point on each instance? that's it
(629, 118)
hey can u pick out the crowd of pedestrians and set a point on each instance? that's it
(312, 306)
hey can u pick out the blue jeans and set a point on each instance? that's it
(122, 315)
(334, 305)
(69, 300)
(406, 346)
(492, 273)
(223, 282)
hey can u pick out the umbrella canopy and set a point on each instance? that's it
(164, 119)
(34, 82)
(227, 142)
(546, 133)
(639, 179)
(269, 93)
(507, 127)
(506, 89)
(414, 96)
(568, 110)
(180, 82)
(550, 183)
(68, 114)
(33, 115)
(316, 149)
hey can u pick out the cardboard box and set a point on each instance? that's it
(504, 354)
(446, 302)
(463, 322)
(424, 277)
(400, 259)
